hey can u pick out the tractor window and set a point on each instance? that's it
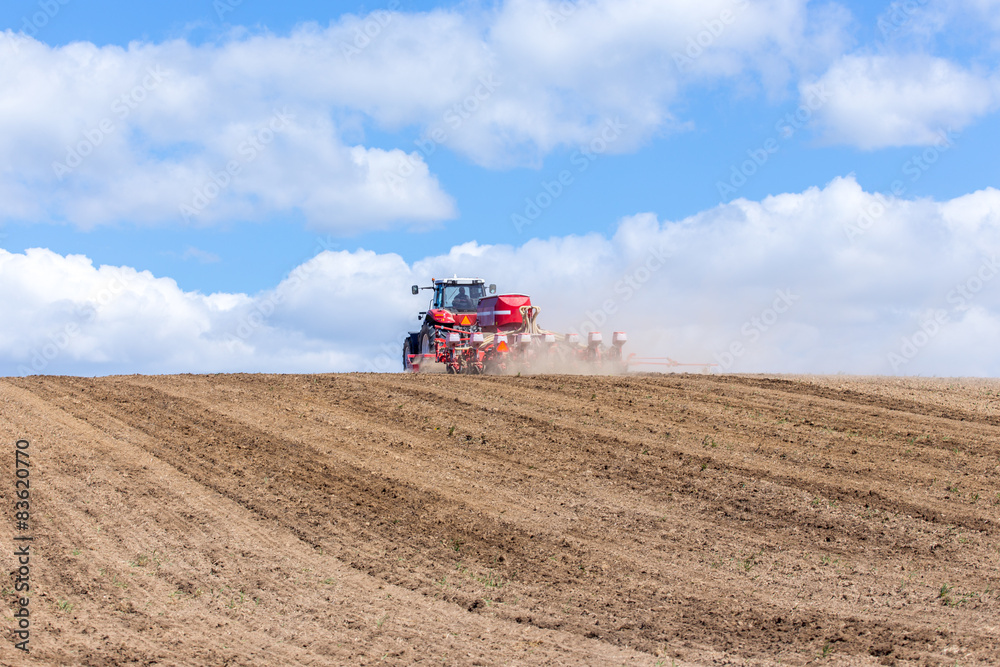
(462, 297)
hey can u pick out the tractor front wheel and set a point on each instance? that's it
(407, 355)
(426, 344)
(428, 351)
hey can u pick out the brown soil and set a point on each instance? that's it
(400, 519)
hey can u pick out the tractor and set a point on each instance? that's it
(468, 328)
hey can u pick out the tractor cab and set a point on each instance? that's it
(456, 295)
(459, 297)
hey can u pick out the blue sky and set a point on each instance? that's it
(437, 142)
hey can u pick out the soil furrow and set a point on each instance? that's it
(736, 519)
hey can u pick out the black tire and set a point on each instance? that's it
(407, 351)
(429, 364)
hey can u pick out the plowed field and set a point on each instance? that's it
(400, 519)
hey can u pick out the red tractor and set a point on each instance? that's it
(467, 330)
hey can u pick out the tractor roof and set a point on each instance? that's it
(457, 281)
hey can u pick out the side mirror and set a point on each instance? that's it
(415, 289)
(493, 288)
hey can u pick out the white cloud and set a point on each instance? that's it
(933, 69)
(158, 134)
(891, 100)
(799, 282)
(986, 8)
(66, 315)
(160, 123)
(974, 20)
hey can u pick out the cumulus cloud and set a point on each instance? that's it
(68, 316)
(830, 279)
(259, 125)
(159, 134)
(875, 101)
(914, 82)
